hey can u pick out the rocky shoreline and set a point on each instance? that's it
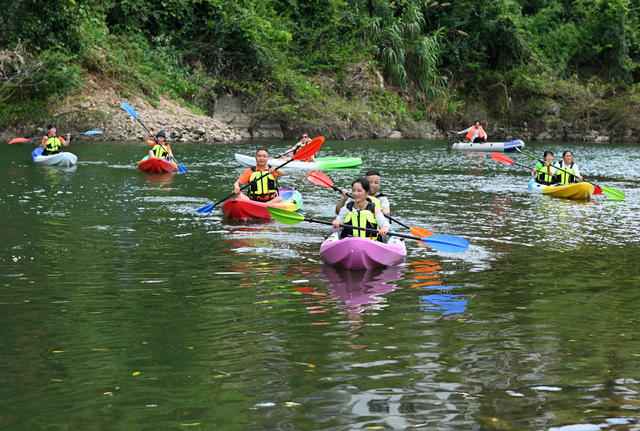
(230, 123)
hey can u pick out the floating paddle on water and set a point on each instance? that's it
(317, 177)
(131, 111)
(302, 153)
(608, 191)
(21, 140)
(450, 243)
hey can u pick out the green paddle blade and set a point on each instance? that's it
(613, 193)
(284, 216)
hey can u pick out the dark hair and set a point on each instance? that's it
(372, 173)
(262, 149)
(363, 182)
(50, 126)
(547, 152)
(567, 151)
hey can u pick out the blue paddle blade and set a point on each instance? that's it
(182, 168)
(450, 243)
(206, 209)
(92, 132)
(129, 110)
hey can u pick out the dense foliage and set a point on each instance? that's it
(286, 53)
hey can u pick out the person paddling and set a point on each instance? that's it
(545, 173)
(264, 188)
(159, 149)
(51, 143)
(304, 140)
(570, 170)
(475, 133)
(379, 199)
(361, 212)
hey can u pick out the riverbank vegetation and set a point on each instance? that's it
(360, 63)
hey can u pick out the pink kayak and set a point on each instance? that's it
(362, 253)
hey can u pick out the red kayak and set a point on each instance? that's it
(240, 209)
(157, 166)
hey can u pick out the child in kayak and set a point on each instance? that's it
(160, 149)
(361, 212)
(264, 188)
(572, 171)
(545, 173)
(51, 143)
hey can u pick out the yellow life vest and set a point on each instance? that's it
(159, 151)
(375, 201)
(543, 175)
(566, 175)
(360, 218)
(263, 189)
(53, 145)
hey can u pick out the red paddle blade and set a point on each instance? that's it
(597, 190)
(18, 140)
(310, 149)
(317, 177)
(499, 157)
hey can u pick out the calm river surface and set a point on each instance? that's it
(121, 308)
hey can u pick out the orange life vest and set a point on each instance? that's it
(472, 133)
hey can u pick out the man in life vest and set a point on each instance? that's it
(262, 178)
(51, 143)
(361, 212)
(159, 149)
(568, 171)
(304, 140)
(545, 173)
(474, 133)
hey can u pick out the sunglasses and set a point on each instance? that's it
(304, 136)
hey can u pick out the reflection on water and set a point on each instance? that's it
(426, 275)
(361, 290)
(164, 178)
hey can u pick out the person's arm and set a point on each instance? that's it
(383, 223)
(342, 201)
(289, 151)
(169, 153)
(148, 139)
(385, 205)
(339, 219)
(576, 170)
(244, 178)
(67, 141)
(277, 173)
(464, 131)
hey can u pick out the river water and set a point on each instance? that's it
(123, 308)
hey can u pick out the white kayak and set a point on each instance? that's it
(502, 147)
(62, 159)
(320, 163)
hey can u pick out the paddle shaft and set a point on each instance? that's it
(313, 220)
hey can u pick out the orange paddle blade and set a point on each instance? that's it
(317, 177)
(421, 233)
(499, 157)
(310, 149)
(18, 140)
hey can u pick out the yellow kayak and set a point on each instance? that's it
(582, 190)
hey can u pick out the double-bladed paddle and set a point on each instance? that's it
(302, 153)
(317, 177)
(131, 111)
(608, 191)
(450, 243)
(21, 140)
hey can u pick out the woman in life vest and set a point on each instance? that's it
(51, 143)
(263, 179)
(544, 173)
(304, 140)
(361, 212)
(379, 199)
(159, 149)
(474, 133)
(572, 174)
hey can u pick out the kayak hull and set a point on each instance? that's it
(320, 163)
(62, 159)
(240, 209)
(502, 147)
(581, 190)
(157, 166)
(362, 253)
